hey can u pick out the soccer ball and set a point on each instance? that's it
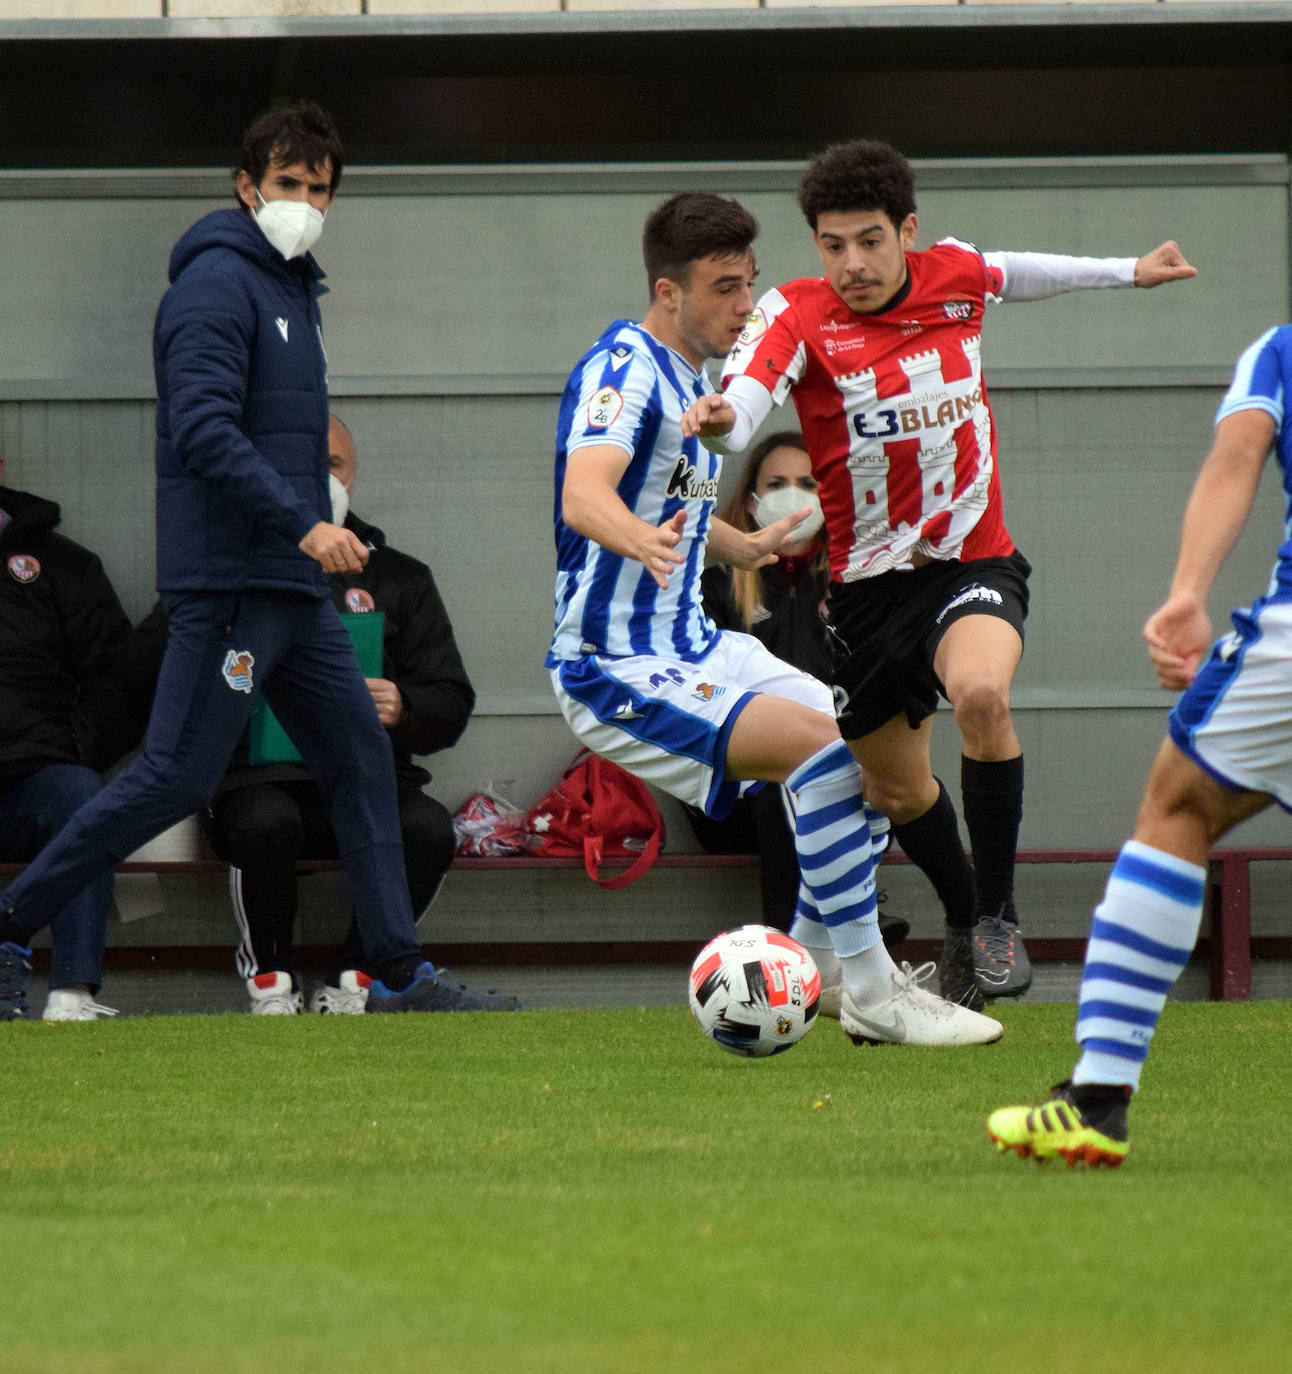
(754, 991)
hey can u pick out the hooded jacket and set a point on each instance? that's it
(242, 413)
(61, 631)
(419, 655)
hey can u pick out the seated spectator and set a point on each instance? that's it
(61, 719)
(781, 604)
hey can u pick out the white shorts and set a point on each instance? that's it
(668, 720)
(1235, 721)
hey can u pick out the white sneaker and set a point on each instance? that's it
(914, 1016)
(272, 995)
(73, 1004)
(349, 998)
(831, 1003)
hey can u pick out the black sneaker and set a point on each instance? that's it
(956, 980)
(1000, 962)
(14, 969)
(892, 927)
(430, 991)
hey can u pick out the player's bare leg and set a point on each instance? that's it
(976, 661)
(900, 782)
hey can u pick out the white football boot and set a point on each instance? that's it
(914, 1016)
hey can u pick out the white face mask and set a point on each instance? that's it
(292, 226)
(340, 499)
(779, 502)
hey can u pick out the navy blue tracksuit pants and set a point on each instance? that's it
(221, 647)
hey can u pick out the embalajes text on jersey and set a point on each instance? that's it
(893, 410)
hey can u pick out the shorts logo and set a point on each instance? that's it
(974, 593)
(237, 669)
(706, 691)
(24, 567)
(604, 408)
(357, 601)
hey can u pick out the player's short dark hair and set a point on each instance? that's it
(862, 175)
(300, 131)
(693, 225)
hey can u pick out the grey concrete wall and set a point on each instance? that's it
(460, 300)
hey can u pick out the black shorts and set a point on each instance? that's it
(886, 630)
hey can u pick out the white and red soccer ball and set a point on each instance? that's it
(754, 991)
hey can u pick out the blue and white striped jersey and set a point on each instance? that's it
(1261, 382)
(631, 391)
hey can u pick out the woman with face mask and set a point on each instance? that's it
(782, 604)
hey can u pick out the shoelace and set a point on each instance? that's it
(909, 982)
(997, 939)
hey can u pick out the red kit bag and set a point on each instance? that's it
(598, 811)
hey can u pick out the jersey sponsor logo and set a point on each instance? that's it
(604, 408)
(686, 486)
(359, 601)
(755, 328)
(837, 326)
(835, 346)
(959, 310)
(24, 567)
(237, 670)
(281, 322)
(908, 418)
(975, 593)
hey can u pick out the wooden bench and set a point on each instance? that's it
(1229, 947)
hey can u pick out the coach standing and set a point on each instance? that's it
(244, 548)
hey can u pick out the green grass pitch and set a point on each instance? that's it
(607, 1191)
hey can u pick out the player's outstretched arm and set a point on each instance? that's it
(1165, 263)
(1178, 633)
(591, 504)
(756, 548)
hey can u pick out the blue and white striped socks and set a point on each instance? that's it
(1143, 934)
(832, 840)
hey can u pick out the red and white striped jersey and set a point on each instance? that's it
(893, 409)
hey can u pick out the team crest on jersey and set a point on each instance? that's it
(958, 310)
(755, 328)
(604, 408)
(237, 669)
(358, 601)
(24, 567)
(707, 691)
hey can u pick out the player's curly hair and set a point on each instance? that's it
(862, 175)
(689, 226)
(298, 131)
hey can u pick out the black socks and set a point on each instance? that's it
(992, 793)
(932, 842)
